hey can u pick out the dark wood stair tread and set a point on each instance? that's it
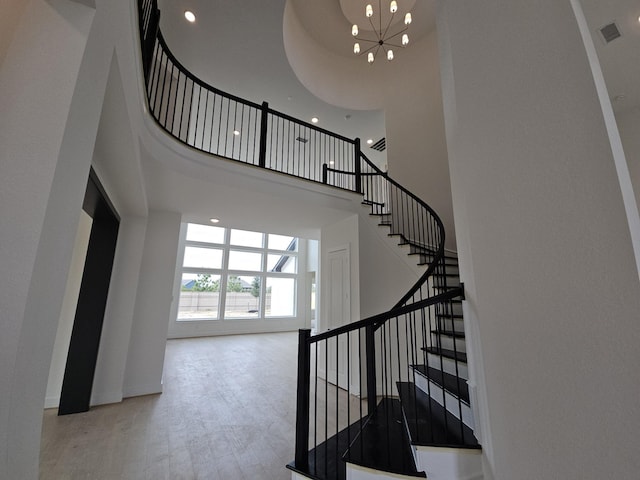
(325, 462)
(454, 385)
(438, 274)
(446, 287)
(429, 423)
(460, 356)
(371, 202)
(383, 444)
(449, 333)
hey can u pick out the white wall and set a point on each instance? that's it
(545, 248)
(145, 358)
(629, 127)
(9, 21)
(119, 313)
(67, 315)
(416, 143)
(385, 271)
(46, 141)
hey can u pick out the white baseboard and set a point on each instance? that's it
(52, 402)
(139, 390)
(104, 398)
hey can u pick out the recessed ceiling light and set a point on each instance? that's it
(190, 16)
(314, 120)
(214, 220)
(236, 132)
(370, 141)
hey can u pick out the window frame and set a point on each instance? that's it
(224, 272)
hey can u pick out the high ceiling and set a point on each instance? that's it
(619, 59)
(238, 46)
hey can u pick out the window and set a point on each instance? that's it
(231, 274)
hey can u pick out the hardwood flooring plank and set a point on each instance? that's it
(227, 412)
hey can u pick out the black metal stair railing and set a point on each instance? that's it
(346, 374)
(350, 377)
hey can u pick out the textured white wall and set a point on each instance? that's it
(145, 359)
(9, 21)
(544, 241)
(386, 273)
(629, 127)
(41, 189)
(52, 84)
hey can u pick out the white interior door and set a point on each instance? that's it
(339, 313)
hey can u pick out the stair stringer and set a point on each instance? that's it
(444, 398)
(358, 472)
(443, 463)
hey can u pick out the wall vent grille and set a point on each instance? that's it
(380, 145)
(610, 32)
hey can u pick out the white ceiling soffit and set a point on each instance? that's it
(321, 53)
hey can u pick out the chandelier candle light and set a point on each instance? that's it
(383, 36)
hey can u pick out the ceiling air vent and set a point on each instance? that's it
(380, 145)
(302, 140)
(610, 32)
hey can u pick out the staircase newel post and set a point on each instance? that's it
(262, 155)
(302, 403)
(325, 173)
(358, 168)
(371, 369)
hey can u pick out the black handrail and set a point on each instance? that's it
(379, 319)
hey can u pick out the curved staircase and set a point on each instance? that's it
(383, 397)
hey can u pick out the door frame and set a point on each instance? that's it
(82, 357)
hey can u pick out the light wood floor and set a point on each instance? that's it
(227, 412)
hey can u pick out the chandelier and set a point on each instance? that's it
(384, 37)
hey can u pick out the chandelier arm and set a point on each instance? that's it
(367, 40)
(396, 34)
(395, 45)
(383, 35)
(364, 52)
(374, 28)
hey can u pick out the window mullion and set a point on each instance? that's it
(225, 273)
